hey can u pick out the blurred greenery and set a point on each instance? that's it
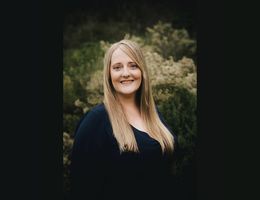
(170, 55)
(171, 42)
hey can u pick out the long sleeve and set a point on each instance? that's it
(87, 166)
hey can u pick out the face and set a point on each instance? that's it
(125, 75)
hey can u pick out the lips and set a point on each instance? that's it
(126, 81)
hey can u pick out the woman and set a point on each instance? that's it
(123, 149)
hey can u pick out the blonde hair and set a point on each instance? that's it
(122, 130)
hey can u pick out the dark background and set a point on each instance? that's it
(32, 145)
(138, 14)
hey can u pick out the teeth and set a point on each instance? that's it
(127, 81)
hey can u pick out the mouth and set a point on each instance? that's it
(125, 82)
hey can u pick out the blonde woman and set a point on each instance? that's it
(123, 149)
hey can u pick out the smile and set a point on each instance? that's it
(126, 81)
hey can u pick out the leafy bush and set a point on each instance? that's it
(179, 111)
(67, 147)
(79, 64)
(91, 30)
(171, 42)
(70, 122)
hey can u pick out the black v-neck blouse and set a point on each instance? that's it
(99, 171)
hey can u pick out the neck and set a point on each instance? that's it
(128, 102)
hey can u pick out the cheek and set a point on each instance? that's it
(138, 75)
(114, 77)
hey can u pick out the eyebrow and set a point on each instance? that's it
(121, 63)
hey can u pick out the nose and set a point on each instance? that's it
(125, 72)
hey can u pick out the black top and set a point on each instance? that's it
(99, 171)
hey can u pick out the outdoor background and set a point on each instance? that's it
(166, 31)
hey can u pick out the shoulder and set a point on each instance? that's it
(92, 121)
(90, 135)
(98, 109)
(94, 114)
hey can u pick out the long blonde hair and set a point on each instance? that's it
(121, 128)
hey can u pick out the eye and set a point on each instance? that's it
(117, 68)
(134, 66)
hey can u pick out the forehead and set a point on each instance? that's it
(120, 56)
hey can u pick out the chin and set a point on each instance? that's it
(127, 93)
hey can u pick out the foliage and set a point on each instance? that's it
(79, 64)
(179, 111)
(168, 41)
(67, 146)
(92, 31)
(70, 122)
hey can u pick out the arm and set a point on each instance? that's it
(87, 159)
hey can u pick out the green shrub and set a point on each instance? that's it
(179, 111)
(168, 41)
(67, 147)
(69, 122)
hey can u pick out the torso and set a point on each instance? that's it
(143, 171)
